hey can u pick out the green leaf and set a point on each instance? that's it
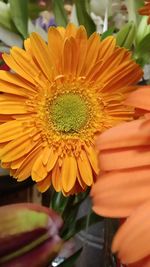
(83, 16)
(19, 15)
(69, 262)
(144, 45)
(79, 198)
(34, 9)
(126, 35)
(59, 202)
(142, 52)
(80, 225)
(139, 3)
(68, 208)
(142, 30)
(59, 12)
(107, 33)
(5, 17)
(73, 206)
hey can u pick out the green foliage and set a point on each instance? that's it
(142, 30)
(144, 45)
(34, 9)
(83, 16)
(5, 17)
(79, 225)
(19, 15)
(142, 41)
(59, 12)
(68, 208)
(59, 203)
(142, 52)
(107, 33)
(62, 204)
(125, 37)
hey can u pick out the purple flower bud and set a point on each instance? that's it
(29, 235)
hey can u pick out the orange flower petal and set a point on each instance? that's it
(61, 30)
(53, 156)
(39, 171)
(70, 57)
(92, 53)
(43, 58)
(121, 158)
(71, 30)
(80, 180)
(68, 173)
(17, 68)
(24, 170)
(107, 47)
(133, 238)
(81, 38)
(85, 169)
(129, 134)
(23, 60)
(145, 10)
(16, 163)
(17, 148)
(142, 263)
(11, 130)
(44, 184)
(55, 45)
(14, 80)
(56, 178)
(92, 156)
(27, 45)
(118, 193)
(46, 154)
(140, 98)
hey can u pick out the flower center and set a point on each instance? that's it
(69, 113)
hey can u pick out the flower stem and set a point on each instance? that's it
(109, 258)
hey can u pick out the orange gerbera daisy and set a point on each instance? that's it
(145, 10)
(61, 95)
(123, 190)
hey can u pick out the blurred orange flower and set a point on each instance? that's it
(145, 10)
(60, 97)
(123, 189)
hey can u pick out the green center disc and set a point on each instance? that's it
(69, 113)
